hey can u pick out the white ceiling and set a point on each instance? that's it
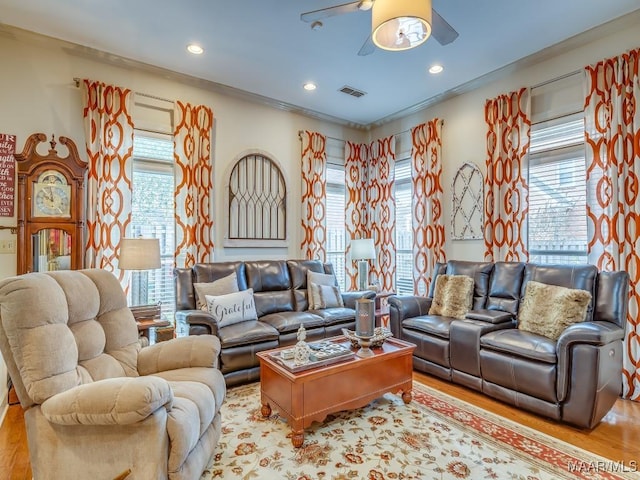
(262, 46)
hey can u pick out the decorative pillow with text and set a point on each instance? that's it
(232, 308)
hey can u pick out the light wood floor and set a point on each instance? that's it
(617, 437)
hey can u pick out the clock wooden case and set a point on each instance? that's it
(51, 203)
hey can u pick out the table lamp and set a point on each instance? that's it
(140, 254)
(363, 250)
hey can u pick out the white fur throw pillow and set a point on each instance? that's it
(452, 296)
(549, 309)
(232, 308)
(222, 286)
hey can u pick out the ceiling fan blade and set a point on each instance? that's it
(441, 30)
(316, 15)
(367, 48)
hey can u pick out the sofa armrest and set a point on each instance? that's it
(198, 317)
(113, 401)
(597, 333)
(490, 316)
(350, 298)
(182, 352)
(403, 307)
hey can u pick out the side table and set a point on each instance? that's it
(382, 308)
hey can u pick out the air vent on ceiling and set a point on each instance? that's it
(352, 91)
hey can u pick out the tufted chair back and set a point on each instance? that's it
(80, 323)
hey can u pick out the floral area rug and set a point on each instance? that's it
(436, 436)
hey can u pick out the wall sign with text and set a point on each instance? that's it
(7, 174)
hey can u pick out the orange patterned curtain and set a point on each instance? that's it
(194, 184)
(356, 218)
(382, 210)
(426, 203)
(506, 202)
(314, 195)
(612, 134)
(109, 140)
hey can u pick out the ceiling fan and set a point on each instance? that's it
(396, 24)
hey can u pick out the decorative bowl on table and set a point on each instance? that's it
(380, 334)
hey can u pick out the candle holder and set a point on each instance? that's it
(365, 325)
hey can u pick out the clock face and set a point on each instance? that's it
(52, 197)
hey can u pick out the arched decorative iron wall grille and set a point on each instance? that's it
(257, 200)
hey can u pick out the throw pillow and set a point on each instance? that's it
(232, 308)
(316, 278)
(548, 309)
(222, 286)
(327, 296)
(452, 296)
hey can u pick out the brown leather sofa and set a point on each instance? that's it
(280, 295)
(575, 379)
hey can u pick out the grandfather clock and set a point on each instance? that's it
(51, 204)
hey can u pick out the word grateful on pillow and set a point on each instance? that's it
(452, 296)
(222, 286)
(549, 309)
(232, 308)
(323, 291)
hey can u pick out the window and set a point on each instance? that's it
(557, 227)
(336, 241)
(153, 216)
(404, 229)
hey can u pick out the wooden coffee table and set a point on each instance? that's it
(309, 396)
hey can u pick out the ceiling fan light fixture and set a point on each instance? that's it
(400, 24)
(195, 49)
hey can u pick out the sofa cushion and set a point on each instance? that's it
(285, 322)
(232, 308)
(549, 309)
(222, 286)
(429, 324)
(333, 316)
(453, 296)
(520, 343)
(246, 333)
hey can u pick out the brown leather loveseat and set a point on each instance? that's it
(575, 378)
(281, 302)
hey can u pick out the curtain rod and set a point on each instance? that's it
(77, 81)
(561, 77)
(343, 140)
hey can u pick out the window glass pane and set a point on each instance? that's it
(404, 231)
(153, 216)
(335, 222)
(557, 227)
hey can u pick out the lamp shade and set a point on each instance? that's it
(139, 254)
(363, 249)
(400, 24)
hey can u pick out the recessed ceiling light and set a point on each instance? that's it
(436, 68)
(309, 86)
(195, 49)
